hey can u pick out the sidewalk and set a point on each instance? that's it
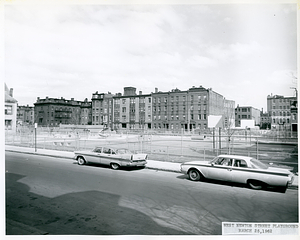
(151, 164)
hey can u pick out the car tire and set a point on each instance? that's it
(81, 161)
(114, 166)
(194, 175)
(283, 189)
(257, 185)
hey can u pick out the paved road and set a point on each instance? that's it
(56, 196)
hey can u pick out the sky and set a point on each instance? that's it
(244, 52)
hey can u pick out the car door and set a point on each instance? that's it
(241, 171)
(106, 156)
(96, 158)
(221, 169)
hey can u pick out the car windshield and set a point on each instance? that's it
(214, 160)
(258, 164)
(123, 151)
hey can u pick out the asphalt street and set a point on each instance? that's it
(50, 195)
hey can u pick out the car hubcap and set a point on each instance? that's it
(193, 175)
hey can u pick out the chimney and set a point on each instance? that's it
(156, 90)
(140, 92)
(11, 91)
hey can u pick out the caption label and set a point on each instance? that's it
(229, 228)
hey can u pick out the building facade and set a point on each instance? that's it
(10, 110)
(86, 112)
(189, 110)
(54, 111)
(102, 109)
(283, 112)
(132, 111)
(265, 120)
(247, 113)
(25, 115)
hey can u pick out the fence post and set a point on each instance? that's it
(167, 153)
(256, 148)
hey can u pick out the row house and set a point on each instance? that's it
(247, 113)
(172, 110)
(54, 111)
(102, 109)
(25, 115)
(189, 109)
(132, 111)
(10, 110)
(283, 112)
(265, 120)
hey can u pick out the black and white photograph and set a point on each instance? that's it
(133, 119)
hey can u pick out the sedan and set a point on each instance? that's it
(115, 158)
(239, 169)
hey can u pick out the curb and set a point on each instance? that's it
(58, 156)
(157, 168)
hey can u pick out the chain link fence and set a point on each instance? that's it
(266, 146)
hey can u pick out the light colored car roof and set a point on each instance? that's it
(236, 156)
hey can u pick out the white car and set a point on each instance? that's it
(239, 169)
(115, 158)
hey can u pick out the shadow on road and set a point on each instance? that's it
(80, 213)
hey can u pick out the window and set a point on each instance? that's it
(240, 163)
(106, 150)
(8, 110)
(123, 101)
(98, 149)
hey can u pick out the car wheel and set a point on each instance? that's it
(282, 189)
(80, 161)
(194, 175)
(257, 185)
(114, 166)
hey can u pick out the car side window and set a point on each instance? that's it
(98, 150)
(219, 161)
(113, 152)
(240, 163)
(106, 150)
(227, 162)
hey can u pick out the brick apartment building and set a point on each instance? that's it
(189, 109)
(10, 110)
(283, 112)
(102, 107)
(173, 110)
(54, 111)
(132, 111)
(247, 113)
(265, 120)
(25, 115)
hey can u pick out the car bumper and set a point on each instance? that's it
(291, 181)
(140, 163)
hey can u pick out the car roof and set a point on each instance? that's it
(235, 156)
